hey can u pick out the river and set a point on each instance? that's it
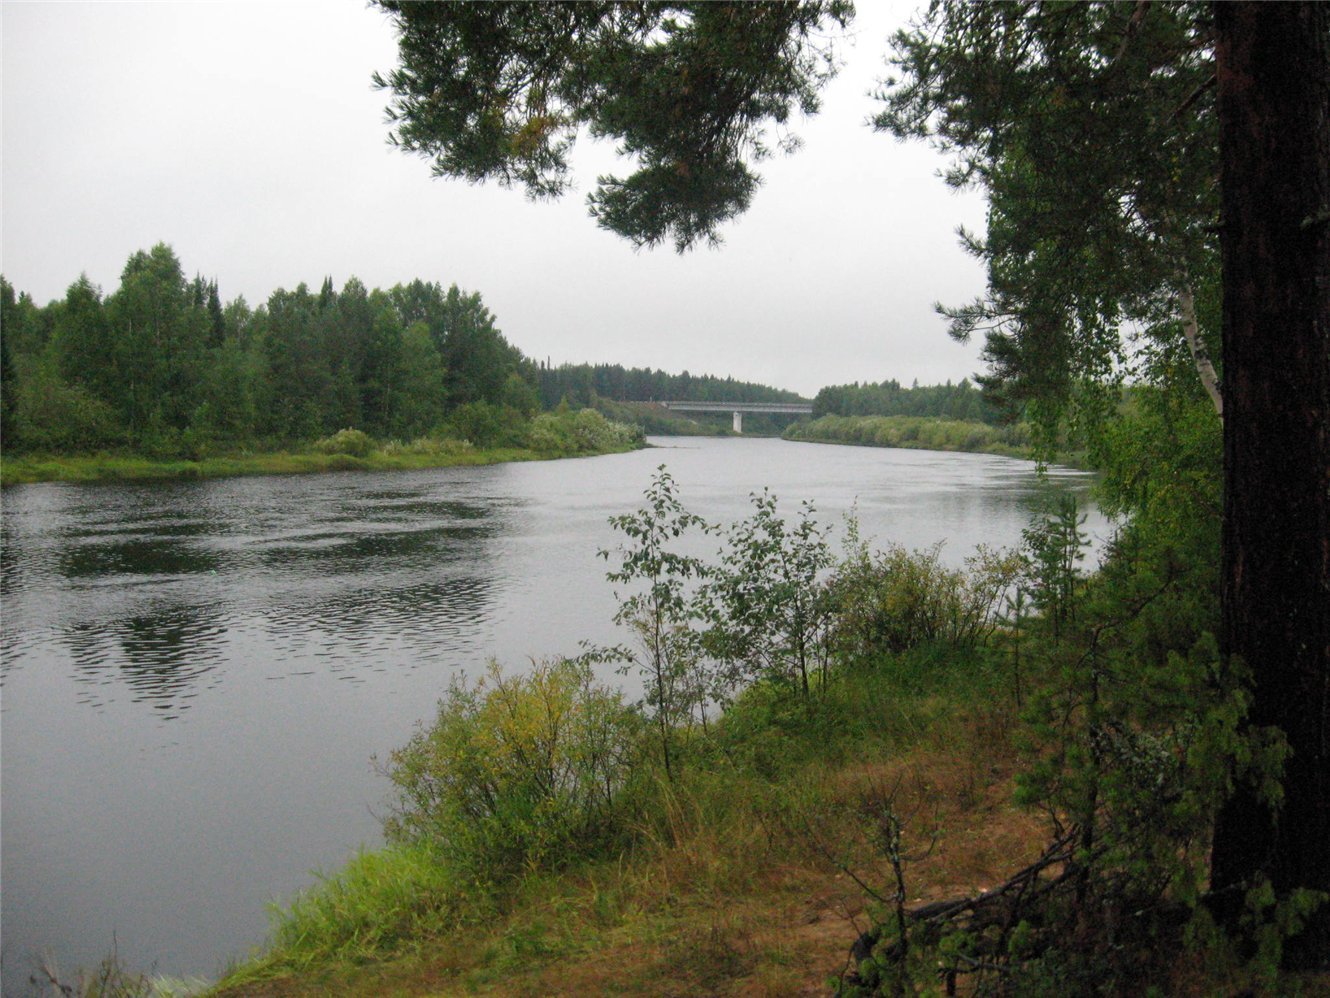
(196, 675)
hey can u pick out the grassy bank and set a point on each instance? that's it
(550, 436)
(740, 877)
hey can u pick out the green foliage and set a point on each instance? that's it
(158, 340)
(51, 415)
(485, 424)
(8, 408)
(591, 384)
(656, 420)
(348, 441)
(658, 609)
(420, 400)
(1091, 129)
(162, 367)
(895, 600)
(500, 91)
(770, 613)
(229, 394)
(517, 773)
(378, 903)
(922, 432)
(1054, 545)
(1132, 721)
(581, 432)
(476, 358)
(962, 401)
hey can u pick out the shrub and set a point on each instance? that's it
(770, 612)
(896, 599)
(376, 903)
(518, 772)
(567, 432)
(428, 446)
(351, 442)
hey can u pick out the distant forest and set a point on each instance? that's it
(584, 384)
(962, 401)
(162, 367)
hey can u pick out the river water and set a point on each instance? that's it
(196, 675)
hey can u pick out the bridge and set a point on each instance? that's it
(739, 408)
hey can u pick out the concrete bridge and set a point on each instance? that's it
(739, 408)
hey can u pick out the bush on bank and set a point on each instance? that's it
(518, 772)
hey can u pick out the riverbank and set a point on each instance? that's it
(751, 873)
(112, 468)
(552, 436)
(917, 433)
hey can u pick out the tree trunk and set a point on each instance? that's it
(1273, 66)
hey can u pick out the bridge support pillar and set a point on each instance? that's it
(738, 422)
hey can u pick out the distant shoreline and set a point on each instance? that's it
(926, 433)
(91, 468)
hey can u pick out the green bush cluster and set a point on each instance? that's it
(894, 600)
(351, 442)
(567, 431)
(380, 900)
(562, 433)
(426, 447)
(63, 418)
(518, 772)
(487, 424)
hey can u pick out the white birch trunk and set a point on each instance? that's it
(1199, 354)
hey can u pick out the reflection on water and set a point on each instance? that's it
(142, 589)
(161, 658)
(103, 555)
(195, 675)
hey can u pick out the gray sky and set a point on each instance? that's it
(249, 138)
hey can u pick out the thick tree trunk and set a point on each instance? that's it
(1273, 64)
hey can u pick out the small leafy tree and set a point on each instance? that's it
(660, 610)
(768, 601)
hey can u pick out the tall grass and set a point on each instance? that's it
(378, 902)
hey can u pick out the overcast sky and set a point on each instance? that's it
(249, 138)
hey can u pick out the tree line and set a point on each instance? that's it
(962, 401)
(583, 384)
(160, 366)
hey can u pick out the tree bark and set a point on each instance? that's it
(1273, 67)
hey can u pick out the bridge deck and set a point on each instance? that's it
(792, 408)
